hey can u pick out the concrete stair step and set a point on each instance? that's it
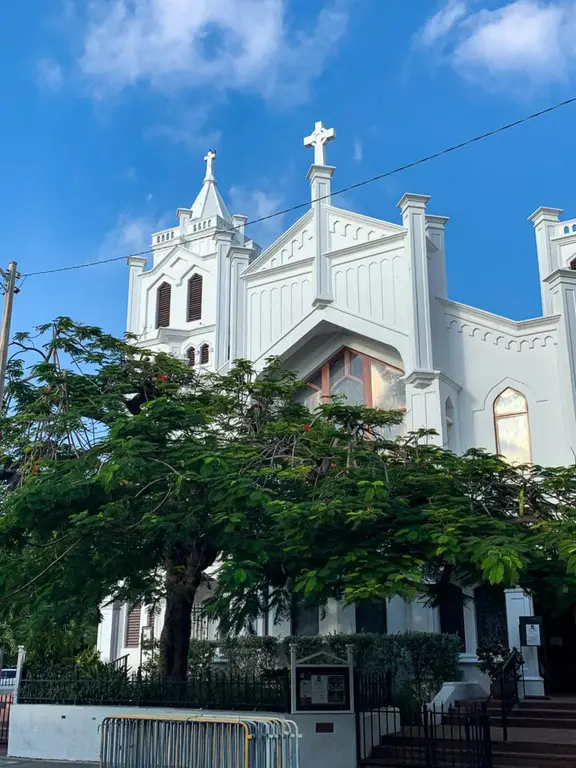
(530, 760)
(518, 720)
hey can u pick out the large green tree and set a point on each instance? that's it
(128, 475)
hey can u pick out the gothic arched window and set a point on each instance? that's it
(204, 354)
(361, 379)
(191, 356)
(512, 427)
(163, 305)
(195, 298)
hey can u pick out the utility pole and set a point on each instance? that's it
(9, 285)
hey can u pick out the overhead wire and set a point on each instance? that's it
(357, 185)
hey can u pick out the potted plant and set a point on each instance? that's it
(491, 659)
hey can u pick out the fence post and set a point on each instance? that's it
(19, 670)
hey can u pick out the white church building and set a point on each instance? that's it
(358, 305)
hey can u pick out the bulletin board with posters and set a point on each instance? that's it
(322, 682)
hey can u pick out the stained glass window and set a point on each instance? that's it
(361, 379)
(512, 427)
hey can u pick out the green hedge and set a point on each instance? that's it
(418, 661)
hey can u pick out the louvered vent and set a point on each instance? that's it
(163, 306)
(204, 354)
(195, 298)
(133, 627)
(191, 357)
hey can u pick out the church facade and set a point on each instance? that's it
(359, 306)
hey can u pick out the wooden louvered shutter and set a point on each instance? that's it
(204, 354)
(191, 357)
(195, 298)
(163, 306)
(133, 627)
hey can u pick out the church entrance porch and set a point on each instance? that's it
(558, 655)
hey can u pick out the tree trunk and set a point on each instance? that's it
(184, 570)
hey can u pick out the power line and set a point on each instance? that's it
(358, 184)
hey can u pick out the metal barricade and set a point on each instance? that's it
(198, 741)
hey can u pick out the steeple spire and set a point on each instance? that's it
(209, 201)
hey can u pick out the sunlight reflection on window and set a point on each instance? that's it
(512, 427)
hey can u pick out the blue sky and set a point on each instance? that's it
(110, 106)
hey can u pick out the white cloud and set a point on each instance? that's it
(219, 44)
(443, 21)
(49, 74)
(256, 204)
(188, 127)
(533, 39)
(129, 235)
(358, 155)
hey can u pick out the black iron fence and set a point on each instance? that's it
(212, 690)
(398, 730)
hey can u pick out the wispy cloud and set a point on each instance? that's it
(531, 39)
(222, 44)
(258, 203)
(442, 22)
(190, 128)
(130, 234)
(49, 74)
(358, 155)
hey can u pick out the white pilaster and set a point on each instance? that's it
(223, 299)
(136, 265)
(518, 604)
(320, 177)
(562, 293)
(239, 224)
(413, 209)
(239, 261)
(545, 221)
(423, 404)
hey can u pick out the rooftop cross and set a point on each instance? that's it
(210, 157)
(318, 139)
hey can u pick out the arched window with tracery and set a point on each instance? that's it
(362, 379)
(512, 426)
(191, 357)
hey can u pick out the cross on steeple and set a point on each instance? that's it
(210, 157)
(318, 139)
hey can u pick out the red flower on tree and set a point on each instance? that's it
(307, 427)
(163, 378)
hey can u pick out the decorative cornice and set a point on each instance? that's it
(561, 276)
(466, 312)
(397, 237)
(137, 261)
(323, 171)
(293, 265)
(411, 199)
(422, 379)
(542, 213)
(516, 336)
(437, 221)
(362, 219)
(277, 244)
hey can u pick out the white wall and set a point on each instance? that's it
(51, 732)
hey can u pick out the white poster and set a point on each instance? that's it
(533, 634)
(320, 689)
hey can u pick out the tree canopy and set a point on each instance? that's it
(129, 475)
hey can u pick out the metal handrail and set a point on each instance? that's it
(121, 663)
(509, 688)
